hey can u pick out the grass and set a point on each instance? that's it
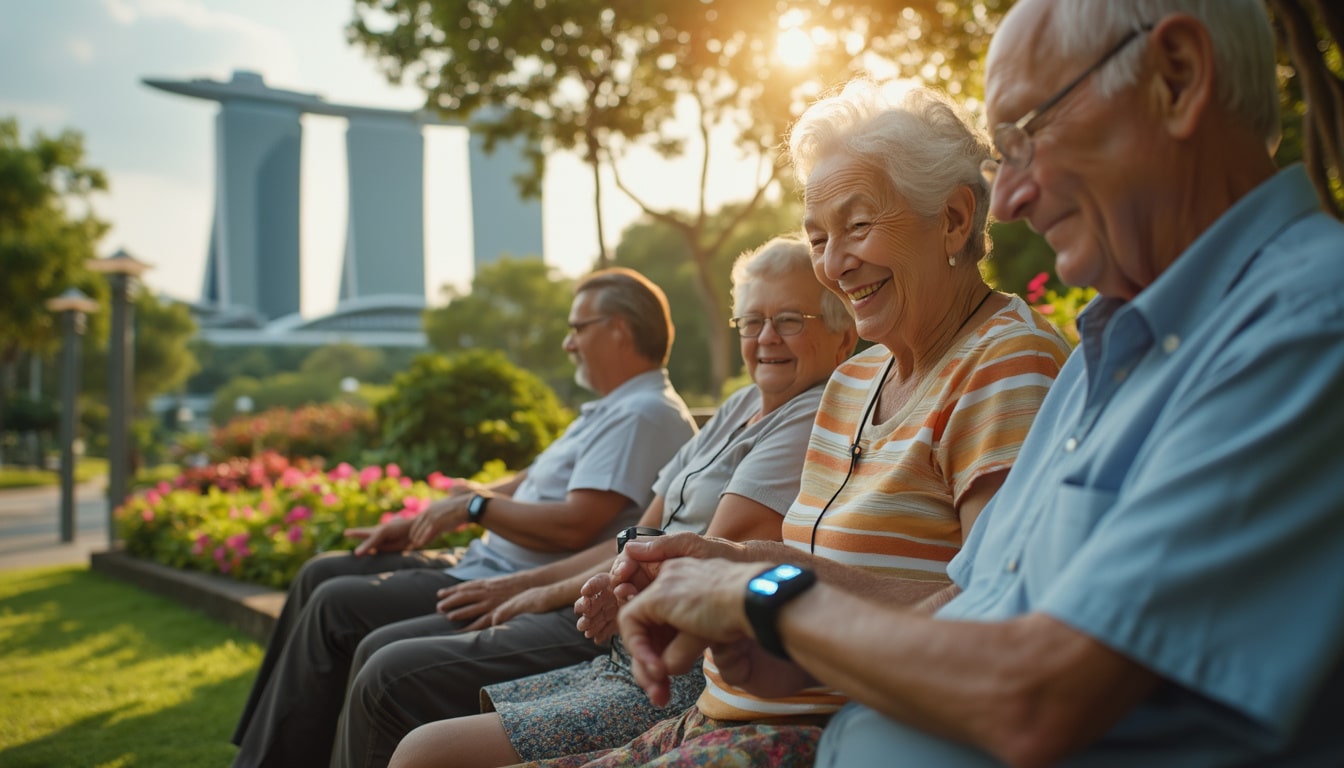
(96, 673)
(27, 477)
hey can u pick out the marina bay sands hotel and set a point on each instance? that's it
(252, 279)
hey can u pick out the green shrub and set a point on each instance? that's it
(334, 431)
(456, 414)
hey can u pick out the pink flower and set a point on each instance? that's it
(331, 500)
(147, 515)
(221, 554)
(393, 470)
(296, 514)
(202, 542)
(295, 534)
(164, 487)
(1046, 309)
(386, 517)
(413, 503)
(153, 497)
(1036, 287)
(406, 482)
(342, 471)
(237, 541)
(439, 481)
(370, 475)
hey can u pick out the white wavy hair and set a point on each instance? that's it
(925, 143)
(782, 256)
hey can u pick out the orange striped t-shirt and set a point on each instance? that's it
(896, 512)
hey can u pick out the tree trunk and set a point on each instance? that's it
(1322, 89)
(717, 323)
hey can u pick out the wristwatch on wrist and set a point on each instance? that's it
(769, 592)
(476, 507)
(633, 532)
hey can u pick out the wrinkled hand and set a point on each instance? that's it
(477, 598)
(691, 606)
(534, 600)
(439, 517)
(392, 536)
(597, 607)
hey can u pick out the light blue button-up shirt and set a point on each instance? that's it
(1180, 498)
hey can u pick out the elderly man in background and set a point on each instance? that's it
(1158, 580)
(591, 482)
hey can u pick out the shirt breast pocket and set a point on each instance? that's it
(1073, 514)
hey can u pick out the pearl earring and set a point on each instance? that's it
(951, 261)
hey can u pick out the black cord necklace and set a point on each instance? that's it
(855, 446)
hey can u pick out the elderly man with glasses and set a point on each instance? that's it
(594, 480)
(1158, 582)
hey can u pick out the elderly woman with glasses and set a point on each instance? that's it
(912, 438)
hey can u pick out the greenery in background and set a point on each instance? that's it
(455, 414)
(28, 477)
(99, 673)
(336, 432)
(519, 307)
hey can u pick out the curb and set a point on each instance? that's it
(248, 608)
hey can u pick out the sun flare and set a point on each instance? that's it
(795, 47)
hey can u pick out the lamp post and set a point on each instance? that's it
(71, 306)
(121, 269)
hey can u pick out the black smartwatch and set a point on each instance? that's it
(476, 508)
(767, 593)
(633, 532)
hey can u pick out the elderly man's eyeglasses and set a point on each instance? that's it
(1013, 140)
(578, 325)
(785, 323)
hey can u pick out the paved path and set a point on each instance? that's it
(30, 526)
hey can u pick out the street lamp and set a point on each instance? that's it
(121, 269)
(71, 306)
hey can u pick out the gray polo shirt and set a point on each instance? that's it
(618, 443)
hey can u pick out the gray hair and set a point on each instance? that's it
(628, 294)
(1243, 49)
(783, 256)
(926, 144)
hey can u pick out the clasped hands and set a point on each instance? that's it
(673, 597)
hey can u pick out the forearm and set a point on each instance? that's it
(1028, 691)
(542, 526)
(891, 590)
(577, 567)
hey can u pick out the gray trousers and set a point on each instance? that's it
(403, 678)
(334, 603)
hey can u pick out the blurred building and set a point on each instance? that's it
(251, 290)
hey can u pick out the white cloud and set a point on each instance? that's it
(80, 49)
(121, 11)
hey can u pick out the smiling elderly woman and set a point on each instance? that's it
(913, 436)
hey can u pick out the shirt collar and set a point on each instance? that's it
(649, 381)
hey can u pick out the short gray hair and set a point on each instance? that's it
(627, 293)
(925, 143)
(1243, 49)
(783, 256)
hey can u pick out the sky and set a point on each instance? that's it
(78, 64)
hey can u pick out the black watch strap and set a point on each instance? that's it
(476, 507)
(766, 594)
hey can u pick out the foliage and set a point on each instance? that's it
(455, 414)
(47, 233)
(519, 307)
(1310, 33)
(24, 414)
(25, 477)
(1059, 307)
(335, 431)
(283, 390)
(98, 672)
(259, 520)
(222, 364)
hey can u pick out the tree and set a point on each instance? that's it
(578, 73)
(1310, 33)
(519, 307)
(47, 233)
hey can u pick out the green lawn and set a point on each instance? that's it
(26, 477)
(94, 672)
